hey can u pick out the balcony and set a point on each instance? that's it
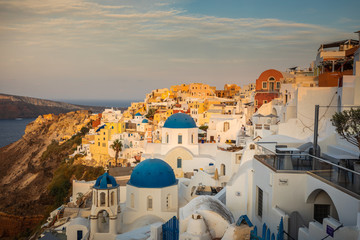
(296, 161)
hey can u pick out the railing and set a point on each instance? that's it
(336, 174)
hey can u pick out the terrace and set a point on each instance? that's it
(293, 160)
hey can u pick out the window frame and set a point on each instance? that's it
(179, 162)
(149, 203)
(259, 202)
(180, 139)
(278, 85)
(264, 85)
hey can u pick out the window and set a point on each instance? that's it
(238, 158)
(168, 201)
(226, 126)
(259, 201)
(321, 211)
(192, 138)
(132, 200)
(112, 198)
(98, 144)
(167, 138)
(271, 79)
(264, 85)
(222, 170)
(277, 85)
(265, 101)
(179, 139)
(102, 199)
(179, 162)
(271, 86)
(149, 203)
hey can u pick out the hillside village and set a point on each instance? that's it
(236, 163)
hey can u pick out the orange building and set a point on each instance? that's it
(267, 87)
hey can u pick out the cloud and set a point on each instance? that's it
(82, 19)
(144, 39)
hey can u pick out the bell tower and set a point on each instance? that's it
(105, 205)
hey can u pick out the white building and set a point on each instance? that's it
(110, 115)
(151, 195)
(180, 147)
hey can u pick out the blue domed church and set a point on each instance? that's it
(151, 196)
(180, 147)
(105, 207)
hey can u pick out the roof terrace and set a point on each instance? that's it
(293, 160)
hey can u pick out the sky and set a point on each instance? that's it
(121, 50)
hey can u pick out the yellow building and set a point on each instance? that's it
(199, 106)
(99, 150)
(209, 102)
(115, 127)
(201, 90)
(162, 115)
(127, 115)
(183, 88)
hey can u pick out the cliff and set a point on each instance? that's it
(26, 107)
(28, 166)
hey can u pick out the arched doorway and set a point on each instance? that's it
(323, 206)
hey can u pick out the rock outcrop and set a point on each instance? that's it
(24, 171)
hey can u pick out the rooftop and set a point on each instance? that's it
(152, 173)
(339, 43)
(293, 160)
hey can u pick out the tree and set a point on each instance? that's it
(84, 131)
(151, 113)
(347, 125)
(117, 147)
(204, 127)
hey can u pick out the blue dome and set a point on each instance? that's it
(180, 120)
(152, 173)
(105, 181)
(145, 121)
(138, 114)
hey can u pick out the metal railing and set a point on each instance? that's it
(339, 174)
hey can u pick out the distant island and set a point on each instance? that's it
(12, 107)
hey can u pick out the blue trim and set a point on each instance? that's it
(244, 219)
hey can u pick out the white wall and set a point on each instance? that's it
(80, 187)
(187, 134)
(158, 201)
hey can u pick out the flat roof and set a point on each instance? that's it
(339, 43)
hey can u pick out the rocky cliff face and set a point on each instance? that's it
(25, 173)
(26, 107)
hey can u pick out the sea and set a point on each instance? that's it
(13, 129)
